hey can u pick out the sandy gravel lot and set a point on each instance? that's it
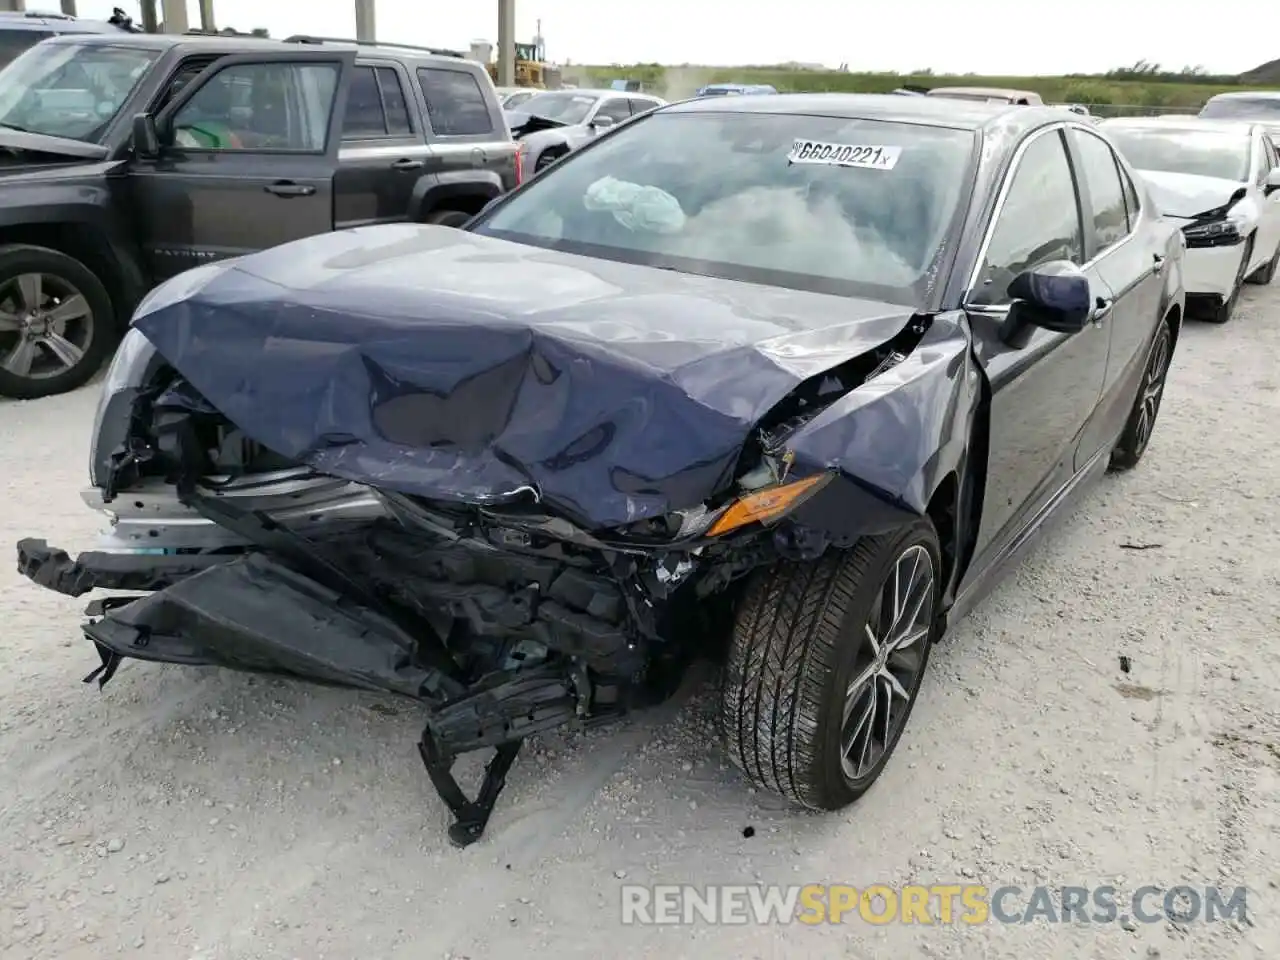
(199, 814)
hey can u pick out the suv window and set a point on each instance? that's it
(261, 106)
(1040, 220)
(375, 105)
(455, 103)
(14, 42)
(1098, 167)
(618, 109)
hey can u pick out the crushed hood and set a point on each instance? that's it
(439, 363)
(1188, 194)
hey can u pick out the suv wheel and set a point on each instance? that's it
(56, 322)
(825, 663)
(447, 218)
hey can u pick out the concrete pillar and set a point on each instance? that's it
(366, 22)
(150, 22)
(69, 8)
(206, 16)
(175, 16)
(13, 6)
(506, 42)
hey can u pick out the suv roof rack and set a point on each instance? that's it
(437, 51)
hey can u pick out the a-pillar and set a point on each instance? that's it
(366, 21)
(175, 16)
(506, 43)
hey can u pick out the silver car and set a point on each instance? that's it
(555, 122)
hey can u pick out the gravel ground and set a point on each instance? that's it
(186, 813)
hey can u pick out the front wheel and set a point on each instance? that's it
(56, 323)
(1146, 405)
(825, 664)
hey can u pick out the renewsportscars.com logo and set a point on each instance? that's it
(936, 904)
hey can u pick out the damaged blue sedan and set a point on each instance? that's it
(779, 381)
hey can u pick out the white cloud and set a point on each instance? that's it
(980, 36)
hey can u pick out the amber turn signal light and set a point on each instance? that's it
(765, 505)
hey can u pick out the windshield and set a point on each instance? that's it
(1200, 152)
(568, 108)
(858, 207)
(1242, 108)
(69, 89)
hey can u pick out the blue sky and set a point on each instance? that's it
(981, 36)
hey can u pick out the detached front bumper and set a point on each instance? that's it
(1212, 271)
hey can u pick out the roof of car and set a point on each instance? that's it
(936, 111)
(166, 41)
(1247, 95)
(11, 20)
(1185, 122)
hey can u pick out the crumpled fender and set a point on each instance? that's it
(895, 438)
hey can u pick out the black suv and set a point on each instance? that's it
(128, 158)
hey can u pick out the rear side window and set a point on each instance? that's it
(1132, 204)
(455, 103)
(1040, 221)
(13, 42)
(1099, 170)
(375, 105)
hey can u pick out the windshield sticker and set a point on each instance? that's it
(844, 155)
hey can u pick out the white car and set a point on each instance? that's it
(1222, 180)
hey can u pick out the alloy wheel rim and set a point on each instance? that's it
(1152, 390)
(890, 663)
(46, 326)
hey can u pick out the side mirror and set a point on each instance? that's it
(1273, 182)
(146, 143)
(1054, 296)
(602, 122)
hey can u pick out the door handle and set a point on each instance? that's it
(287, 188)
(407, 164)
(1101, 310)
(1157, 267)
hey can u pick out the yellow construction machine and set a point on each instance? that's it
(531, 71)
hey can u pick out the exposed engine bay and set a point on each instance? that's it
(505, 619)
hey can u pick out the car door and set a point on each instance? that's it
(467, 133)
(617, 109)
(1044, 385)
(246, 160)
(1269, 221)
(383, 154)
(1131, 263)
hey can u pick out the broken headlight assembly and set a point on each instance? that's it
(134, 364)
(1222, 226)
(764, 505)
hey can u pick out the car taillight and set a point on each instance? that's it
(519, 166)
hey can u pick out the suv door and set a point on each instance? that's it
(467, 131)
(247, 156)
(383, 153)
(1131, 261)
(1044, 385)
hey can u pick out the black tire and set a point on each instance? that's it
(798, 642)
(547, 158)
(1265, 273)
(1225, 310)
(95, 334)
(447, 218)
(1136, 435)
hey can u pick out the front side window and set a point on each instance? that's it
(1203, 153)
(1098, 169)
(260, 106)
(455, 103)
(616, 110)
(854, 207)
(1039, 222)
(70, 90)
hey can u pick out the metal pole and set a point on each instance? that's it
(150, 22)
(206, 16)
(506, 43)
(366, 21)
(69, 8)
(175, 16)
